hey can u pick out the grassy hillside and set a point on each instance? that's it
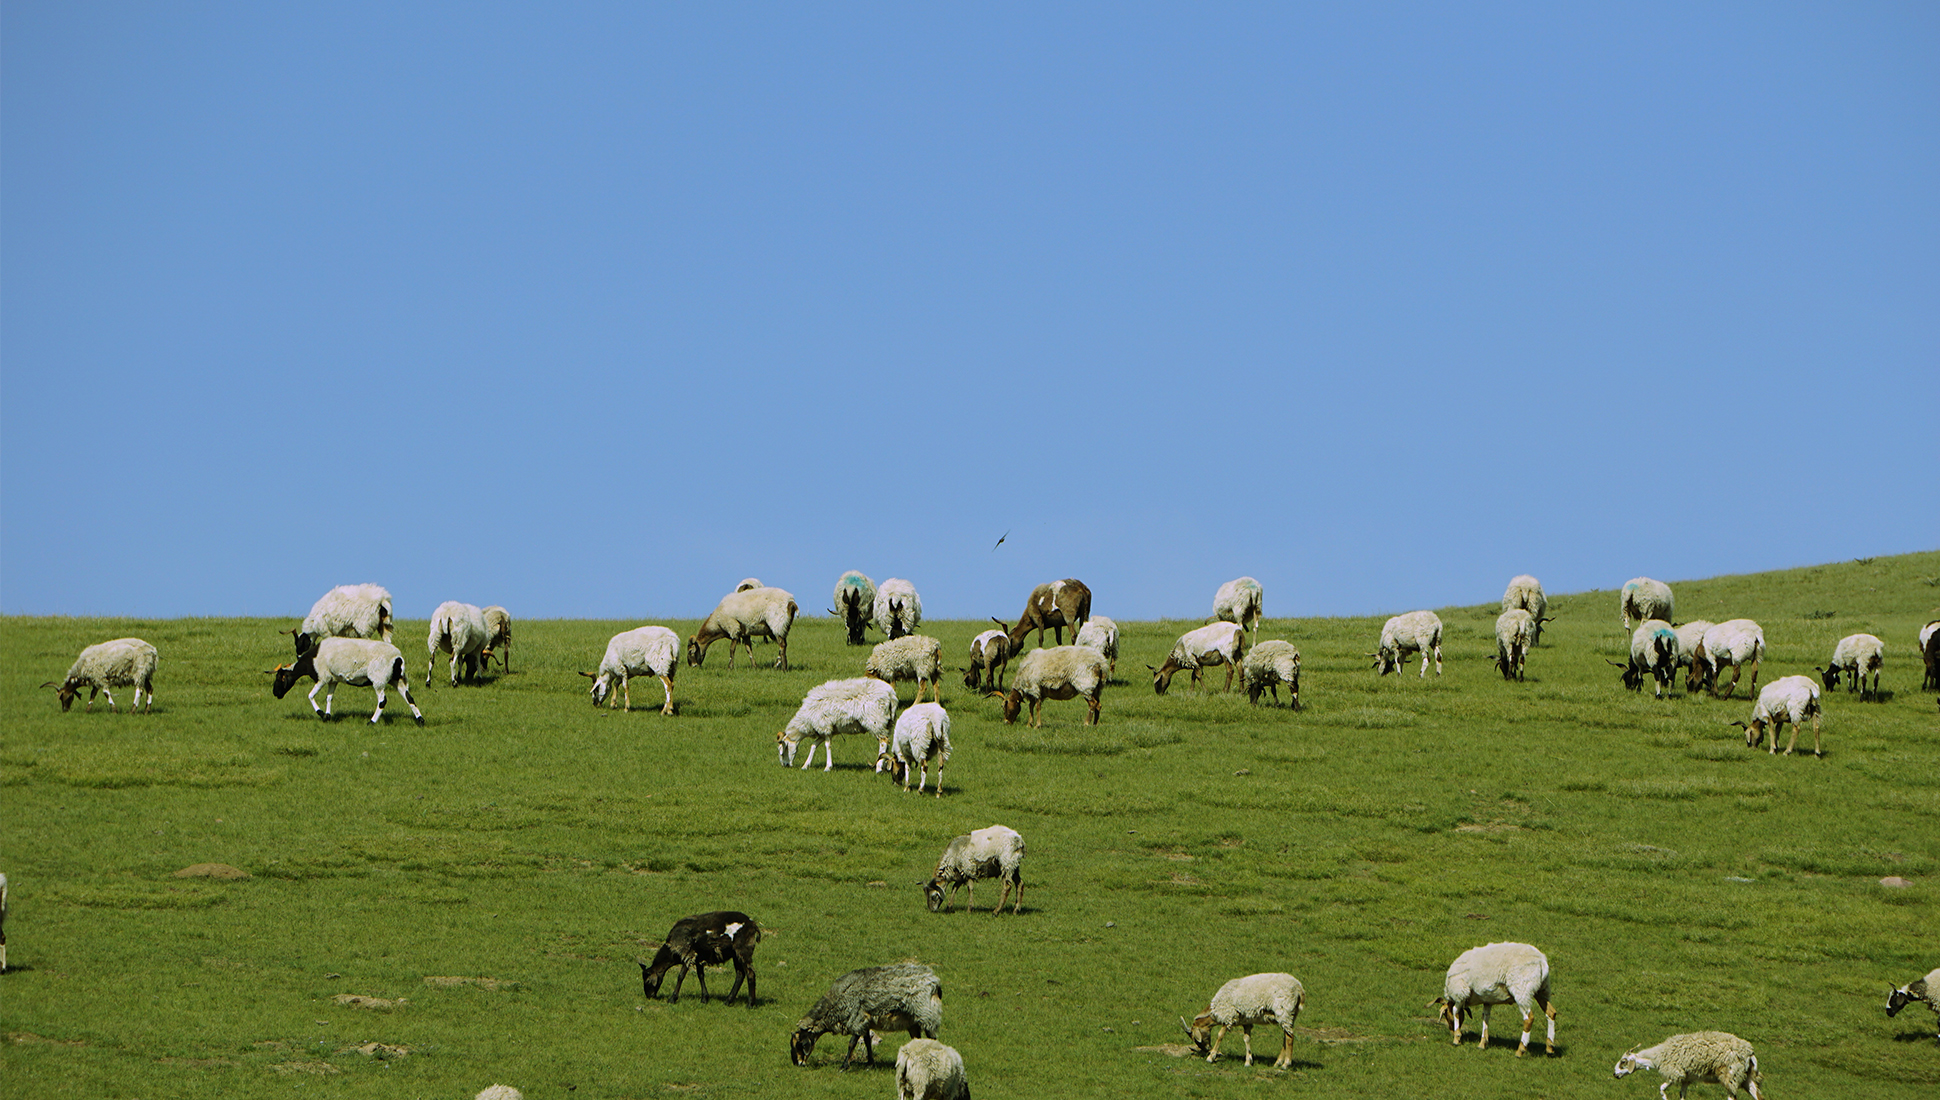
(1676, 880)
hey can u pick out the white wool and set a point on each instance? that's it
(1526, 592)
(911, 657)
(104, 666)
(1643, 598)
(1718, 1057)
(1653, 650)
(350, 610)
(928, 1070)
(996, 852)
(900, 595)
(1274, 998)
(1240, 601)
(1268, 665)
(1101, 634)
(1414, 632)
(1858, 655)
(1060, 672)
(361, 662)
(1494, 974)
(740, 618)
(642, 651)
(922, 734)
(1790, 699)
(1735, 642)
(458, 629)
(1515, 632)
(861, 705)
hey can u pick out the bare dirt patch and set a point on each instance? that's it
(318, 1069)
(25, 1038)
(378, 1004)
(378, 1050)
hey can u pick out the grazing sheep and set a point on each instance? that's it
(1267, 666)
(1213, 644)
(1061, 672)
(928, 1070)
(1414, 632)
(3, 924)
(1925, 990)
(643, 651)
(741, 617)
(915, 657)
(898, 609)
(1515, 632)
(922, 735)
(989, 655)
(900, 997)
(358, 661)
(701, 941)
(862, 705)
(1526, 592)
(458, 629)
(749, 584)
(996, 852)
(346, 611)
(1653, 652)
(499, 1092)
(1930, 653)
(855, 594)
(498, 638)
(1254, 999)
(1495, 974)
(1716, 1056)
(1643, 598)
(1055, 605)
(1787, 699)
(1101, 634)
(1239, 601)
(102, 667)
(1734, 642)
(1856, 654)
(1689, 635)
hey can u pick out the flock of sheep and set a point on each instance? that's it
(346, 638)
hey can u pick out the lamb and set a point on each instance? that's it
(898, 609)
(928, 1070)
(1734, 642)
(1643, 598)
(922, 734)
(1653, 652)
(1239, 601)
(102, 667)
(1787, 699)
(1054, 605)
(1925, 989)
(996, 852)
(915, 657)
(1214, 644)
(644, 651)
(346, 611)
(1856, 654)
(1100, 634)
(1267, 666)
(1061, 672)
(498, 638)
(700, 941)
(1495, 974)
(1688, 637)
(1930, 653)
(989, 656)
(741, 617)
(901, 997)
(1716, 1056)
(855, 594)
(359, 661)
(1254, 999)
(862, 705)
(1414, 632)
(458, 629)
(1526, 592)
(1515, 632)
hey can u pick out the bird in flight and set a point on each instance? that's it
(1000, 541)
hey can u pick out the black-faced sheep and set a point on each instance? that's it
(1052, 606)
(1255, 999)
(123, 662)
(358, 661)
(1061, 672)
(1925, 990)
(741, 617)
(701, 941)
(996, 852)
(1495, 974)
(1855, 656)
(1653, 653)
(855, 603)
(901, 997)
(1213, 644)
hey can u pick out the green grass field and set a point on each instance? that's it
(1677, 880)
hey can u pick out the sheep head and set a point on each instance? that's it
(68, 690)
(1200, 1032)
(696, 653)
(602, 686)
(933, 895)
(1013, 703)
(1830, 674)
(801, 1044)
(651, 975)
(1629, 1063)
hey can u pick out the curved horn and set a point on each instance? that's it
(590, 675)
(1000, 622)
(51, 683)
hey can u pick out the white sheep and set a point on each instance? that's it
(1515, 632)
(1653, 653)
(499, 1092)
(1240, 601)
(1060, 672)
(1526, 592)
(1101, 634)
(996, 852)
(346, 611)
(1734, 642)
(928, 1070)
(861, 705)
(989, 655)
(1925, 990)
(643, 651)
(855, 596)
(1255, 999)
(458, 629)
(1268, 665)
(1689, 636)
(1787, 699)
(104, 666)
(1213, 644)
(1495, 974)
(358, 661)
(915, 657)
(922, 735)
(1415, 632)
(898, 609)
(498, 638)
(1855, 655)
(1716, 1056)
(741, 617)
(1643, 598)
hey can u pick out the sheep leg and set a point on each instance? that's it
(1229, 675)
(1217, 1039)
(1091, 715)
(1246, 1036)
(678, 979)
(109, 692)
(1484, 1044)
(323, 714)
(781, 658)
(1733, 685)
(812, 742)
(1549, 1041)
(379, 712)
(625, 693)
(1286, 1044)
(667, 705)
(430, 662)
(700, 975)
(1528, 1018)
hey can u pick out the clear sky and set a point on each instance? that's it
(591, 310)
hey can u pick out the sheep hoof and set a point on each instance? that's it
(418, 718)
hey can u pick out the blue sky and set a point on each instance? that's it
(591, 310)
